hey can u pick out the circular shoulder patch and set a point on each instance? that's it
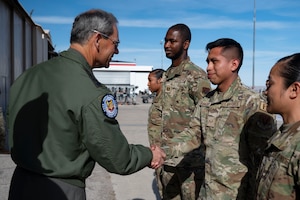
(109, 106)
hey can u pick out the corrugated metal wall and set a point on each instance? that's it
(5, 52)
(22, 44)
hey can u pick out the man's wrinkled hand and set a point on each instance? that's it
(158, 156)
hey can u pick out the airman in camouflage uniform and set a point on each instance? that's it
(184, 84)
(218, 124)
(177, 109)
(154, 131)
(155, 121)
(227, 149)
(155, 113)
(155, 110)
(278, 176)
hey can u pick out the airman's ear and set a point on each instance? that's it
(159, 80)
(294, 89)
(235, 64)
(186, 44)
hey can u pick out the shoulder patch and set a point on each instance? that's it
(109, 106)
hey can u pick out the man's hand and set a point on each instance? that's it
(158, 157)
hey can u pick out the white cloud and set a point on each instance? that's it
(204, 23)
(53, 19)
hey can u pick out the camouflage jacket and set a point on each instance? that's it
(223, 117)
(218, 123)
(182, 88)
(279, 174)
(155, 121)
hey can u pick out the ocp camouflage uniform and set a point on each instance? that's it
(254, 137)
(279, 174)
(183, 86)
(218, 123)
(154, 130)
(155, 121)
(223, 116)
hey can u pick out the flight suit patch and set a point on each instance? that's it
(109, 106)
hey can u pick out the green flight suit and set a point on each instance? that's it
(62, 121)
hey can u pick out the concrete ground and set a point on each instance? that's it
(102, 185)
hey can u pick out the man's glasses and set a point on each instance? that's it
(115, 42)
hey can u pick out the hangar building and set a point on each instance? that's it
(121, 75)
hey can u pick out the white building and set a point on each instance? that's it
(124, 75)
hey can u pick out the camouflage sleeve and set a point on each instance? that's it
(187, 140)
(293, 167)
(199, 87)
(259, 127)
(296, 167)
(154, 125)
(154, 134)
(285, 183)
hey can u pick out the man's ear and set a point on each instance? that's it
(186, 44)
(96, 40)
(234, 64)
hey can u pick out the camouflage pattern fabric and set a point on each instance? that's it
(155, 121)
(181, 183)
(258, 129)
(182, 87)
(2, 131)
(223, 117)
(154, 133)
(279, 174)
(218, 123)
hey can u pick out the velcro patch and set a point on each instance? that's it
(109, 106)
(263, 106)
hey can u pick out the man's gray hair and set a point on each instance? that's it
(85, 23)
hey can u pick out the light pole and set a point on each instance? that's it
(253, 58)
(162, 49)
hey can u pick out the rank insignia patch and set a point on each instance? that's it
(109, 106)
(263, 106)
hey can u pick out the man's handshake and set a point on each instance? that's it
(158, 157)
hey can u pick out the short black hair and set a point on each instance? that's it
(184, 31)
(228, 43)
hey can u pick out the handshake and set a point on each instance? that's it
(158, 157)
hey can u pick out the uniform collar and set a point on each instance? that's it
(76, 56)
(216, 97)
(281, 139)
(174, 71)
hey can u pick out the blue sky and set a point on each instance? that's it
(143, 25)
